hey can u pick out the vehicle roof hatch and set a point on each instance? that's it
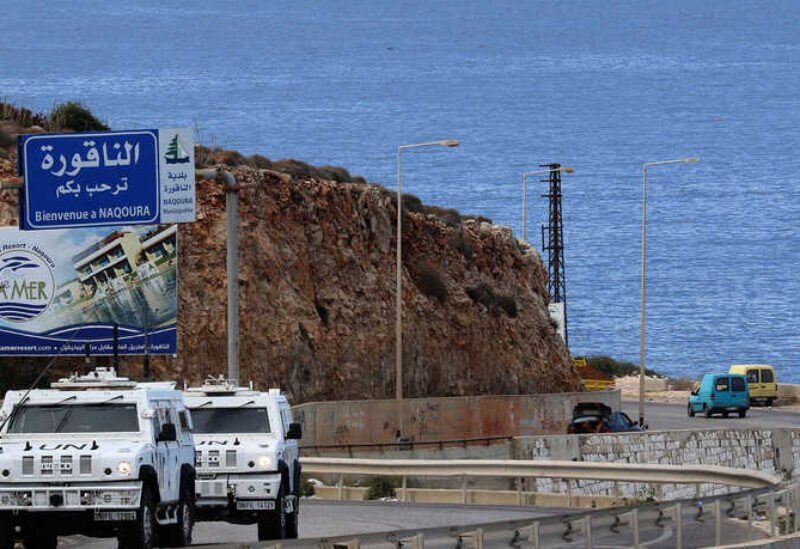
(100, 379)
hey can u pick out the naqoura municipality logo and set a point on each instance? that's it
(27, 284)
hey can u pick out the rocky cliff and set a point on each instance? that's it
(318, 287)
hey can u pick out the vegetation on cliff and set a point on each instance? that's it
(317, 283)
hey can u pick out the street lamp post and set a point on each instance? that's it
(691, 160)
(399, 273)
(564, 169)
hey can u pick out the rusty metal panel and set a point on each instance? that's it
(442, 418)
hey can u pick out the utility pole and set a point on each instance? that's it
(554, 246)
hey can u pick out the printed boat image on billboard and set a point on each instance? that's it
(63, 289)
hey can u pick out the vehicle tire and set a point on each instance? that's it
(40, 540)
(770, 401)
(180, 534)
(7, 534)
(142, 534)
(293, 518)
(273, 524)
(743, 412)
(690, 410)
(707, 411)
(724, 414)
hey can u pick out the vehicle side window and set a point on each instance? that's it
(721, 384)
(752, 376)
(737, 384)
(626, 421)
(767, 377)
(286, 420)
(184, 420)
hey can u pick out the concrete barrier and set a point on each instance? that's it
(788, 393)
(442, 418)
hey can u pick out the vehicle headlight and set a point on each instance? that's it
(124, 468)
(264, 462)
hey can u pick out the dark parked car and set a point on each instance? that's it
(596, 417)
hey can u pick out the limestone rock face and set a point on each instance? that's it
(317, 289)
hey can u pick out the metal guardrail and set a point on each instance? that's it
(409, 445)
(575, 470)
(623, 526)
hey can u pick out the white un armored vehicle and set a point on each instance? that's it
(246, 457)
(97, 455)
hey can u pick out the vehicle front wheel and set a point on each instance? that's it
(273, 524)
(142, 534)
(743, 412)
(293, 521)
(40, 540)
(180, 533)
(690, 410)
(6, 534)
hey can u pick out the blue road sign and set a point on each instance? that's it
(106, 178)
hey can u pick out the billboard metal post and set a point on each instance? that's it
(116, 347)
(87, 365)
(232, 262)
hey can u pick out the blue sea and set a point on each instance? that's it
(598, 86)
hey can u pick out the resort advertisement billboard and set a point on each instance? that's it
(63, 289)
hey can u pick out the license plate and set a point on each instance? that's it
(255, 505)
(114, 515)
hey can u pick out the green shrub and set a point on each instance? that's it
(334, 173)
(463, 244)
(412, 203)
(430, 282)
(448, 216)
(306, 487)
(494, 302)
(616, 368)
(483, 294)
(74, 116)
(21, 116)
(508, 304)
(381, 487)
(261, 162)
(7, 139)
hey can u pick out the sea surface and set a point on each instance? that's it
(598, 86)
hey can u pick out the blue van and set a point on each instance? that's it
(720, 394)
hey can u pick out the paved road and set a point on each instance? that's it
(323, 518)
(660, 416)
(320, 518)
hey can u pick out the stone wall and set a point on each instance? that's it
(773, 451)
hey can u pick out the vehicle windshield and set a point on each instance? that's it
(230, 420)
(76, 418)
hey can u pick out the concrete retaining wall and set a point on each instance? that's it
(425, 419)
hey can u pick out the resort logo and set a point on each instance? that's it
(27, 284)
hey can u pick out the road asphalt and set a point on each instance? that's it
(325, 519)
(661, 415)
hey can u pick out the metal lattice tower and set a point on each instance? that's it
(553, 242)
